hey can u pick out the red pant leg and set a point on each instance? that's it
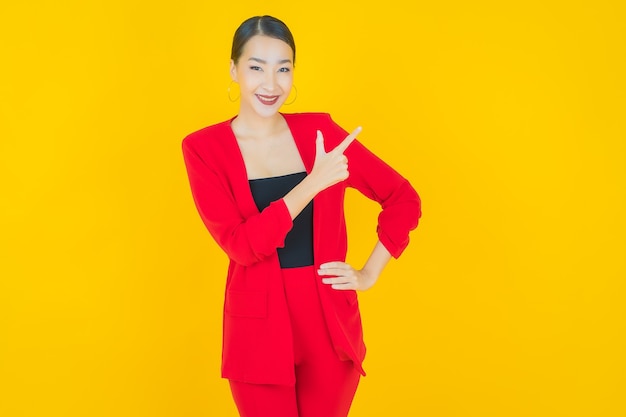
(264, 400)
(326, 390)
(325, 385)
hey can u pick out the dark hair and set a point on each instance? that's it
(261, 25)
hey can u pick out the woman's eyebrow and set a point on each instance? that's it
(262, 61)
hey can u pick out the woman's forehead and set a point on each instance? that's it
(267, 49)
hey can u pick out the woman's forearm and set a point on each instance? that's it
(299, 196)
(378, 259)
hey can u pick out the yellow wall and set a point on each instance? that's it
(507, 118)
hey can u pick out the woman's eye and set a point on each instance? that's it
(284, 69)
(255, 68)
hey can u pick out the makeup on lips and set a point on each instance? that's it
(267, 100)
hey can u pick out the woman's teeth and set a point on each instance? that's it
(269, 100)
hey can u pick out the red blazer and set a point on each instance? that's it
(257, 337)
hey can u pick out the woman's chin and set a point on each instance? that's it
(267, 111)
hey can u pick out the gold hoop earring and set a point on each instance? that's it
(293, 87)
(229, 97)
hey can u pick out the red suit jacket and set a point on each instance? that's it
(257, 337)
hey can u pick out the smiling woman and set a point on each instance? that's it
(271, 195)
(264, 71)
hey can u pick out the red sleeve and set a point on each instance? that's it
(245, 240)
(401, 205)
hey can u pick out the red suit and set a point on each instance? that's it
(257, 336)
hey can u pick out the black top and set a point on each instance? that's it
(298, 249)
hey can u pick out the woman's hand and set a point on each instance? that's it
(345, 277)
(331, 167)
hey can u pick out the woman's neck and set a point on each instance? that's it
(250, 125)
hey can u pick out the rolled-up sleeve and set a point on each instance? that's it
(400, 203)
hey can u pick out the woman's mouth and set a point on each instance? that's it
(267, 100)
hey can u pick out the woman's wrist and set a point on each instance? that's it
(379, 258)
(298, 198)
(368, 278)
(310, 184)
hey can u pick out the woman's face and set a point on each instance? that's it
(264, 73)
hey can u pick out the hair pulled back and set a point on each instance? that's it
(261, 25)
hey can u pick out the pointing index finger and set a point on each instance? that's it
(348, 140)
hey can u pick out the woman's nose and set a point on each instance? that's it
(270, 81)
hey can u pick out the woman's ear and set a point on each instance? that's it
(233, 71)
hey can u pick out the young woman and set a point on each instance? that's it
(270, 187)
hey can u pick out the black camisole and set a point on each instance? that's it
(298, 249)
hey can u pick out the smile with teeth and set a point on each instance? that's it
(269, 100)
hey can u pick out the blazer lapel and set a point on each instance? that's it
(304, 136)
(239, 183)
(304, 142)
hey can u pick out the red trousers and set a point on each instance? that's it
(325, 385)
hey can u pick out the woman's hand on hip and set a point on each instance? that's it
(342, 276)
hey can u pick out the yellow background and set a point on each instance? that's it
(508, 118)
